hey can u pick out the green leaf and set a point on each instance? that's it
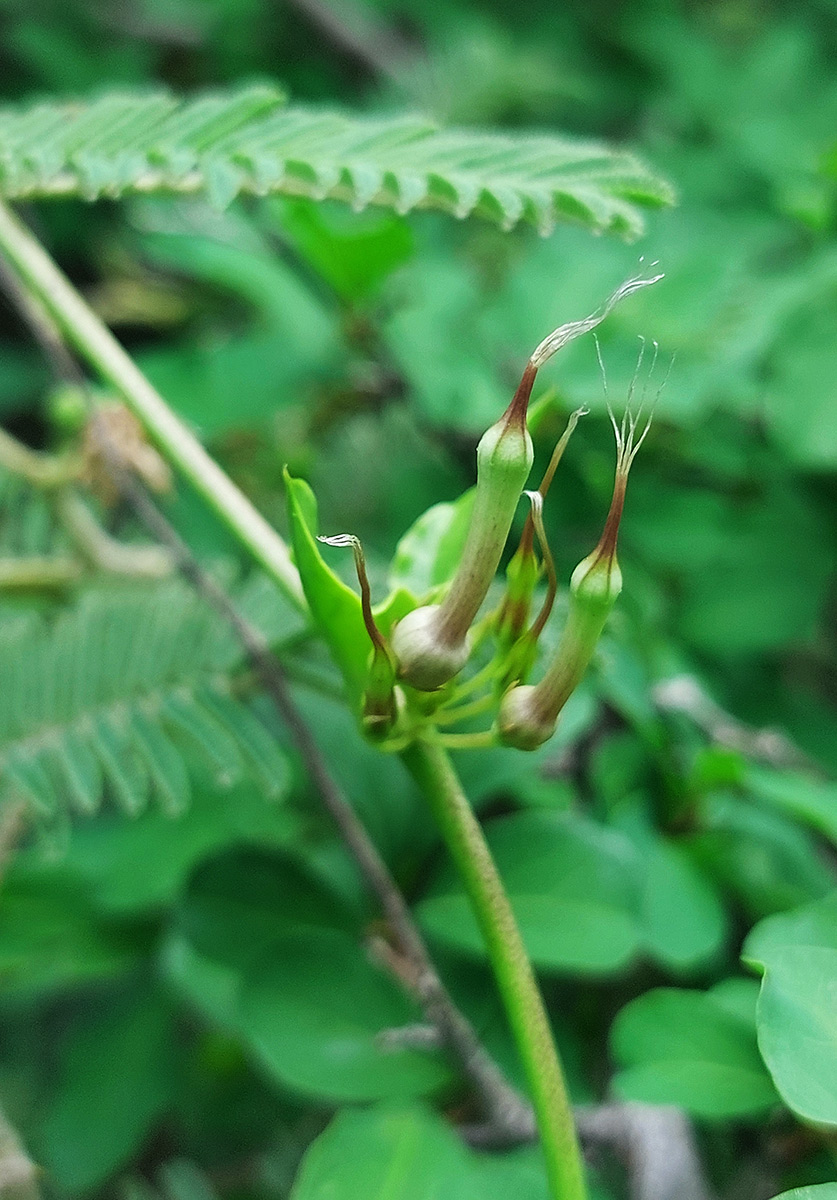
(100, 698)
(336, 608)
(685, 920)
(350, 253)
(769, 862)
(186, 715)
(122, 765)
(817, 1191)
(116, 1079)
(428, 554)
(267, 761)
(164, 764)
(812, 800)
(51, 939)
(691, 1049)
(210, 987)
(573, 885)
(247, 141)
(240, 901)
(408, 1152)
(113, 859)
(313, 1013)
(797, 1016)
(386, 1153)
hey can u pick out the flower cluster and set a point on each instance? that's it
(413, 672)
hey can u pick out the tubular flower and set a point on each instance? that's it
(529, 713)
(431, 644)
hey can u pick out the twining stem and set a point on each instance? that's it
(96, 343)
(433, 770)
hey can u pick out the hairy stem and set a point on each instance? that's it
(432, 768)
(99, 347)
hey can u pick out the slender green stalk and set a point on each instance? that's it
(427, 760)
(99, 347)
(433, 770)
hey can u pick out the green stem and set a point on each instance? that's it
(99, 347)
(433, 770)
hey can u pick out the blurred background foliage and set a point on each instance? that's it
(369, 352)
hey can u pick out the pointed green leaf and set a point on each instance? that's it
(336, 608)
(183, 713)
(690, 1049)
(797, 1013)
(256, 743)
(165, 764)
(81, 771)
(123, 768)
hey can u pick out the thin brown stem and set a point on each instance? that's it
(506, 1116)
(18, 1174)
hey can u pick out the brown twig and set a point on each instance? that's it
(685, 694)
(361, 34)
(656, 1144)
(12, 824)
(18, 1174)
(506, 1116)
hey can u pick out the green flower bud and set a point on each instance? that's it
(424, 659)
(520, 722)
(523, 571)
(431, 643)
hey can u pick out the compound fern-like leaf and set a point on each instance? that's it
(106, 699)
(249, 141)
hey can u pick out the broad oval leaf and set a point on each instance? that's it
(386, 1152)
(118, 1075)
(797, 1009)
(817, 1191)
(573, 886)
(313, 1013)
(692, 1049)
(408, 1152)
(239, 901)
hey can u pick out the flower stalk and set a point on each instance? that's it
(432, 769)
